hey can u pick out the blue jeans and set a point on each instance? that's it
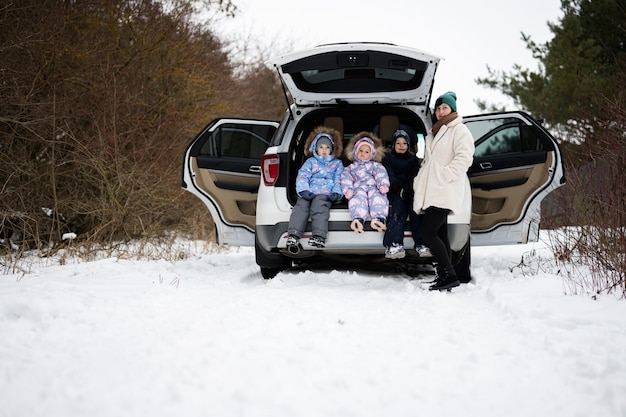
(398, 212)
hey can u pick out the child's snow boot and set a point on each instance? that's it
(292, 244)
(317, 241)
(378, 224)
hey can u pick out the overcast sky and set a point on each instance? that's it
(468, 35)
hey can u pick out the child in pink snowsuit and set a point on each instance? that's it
(365, 182)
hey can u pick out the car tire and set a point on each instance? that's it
(462, 266)
(270, 263)
(269, 273)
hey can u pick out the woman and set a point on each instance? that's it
(441, 183)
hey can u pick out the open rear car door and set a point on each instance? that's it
(221, 166)
(517, 163)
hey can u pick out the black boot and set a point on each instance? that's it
(446, 279)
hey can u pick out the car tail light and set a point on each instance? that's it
(269, 168)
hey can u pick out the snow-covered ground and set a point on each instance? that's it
(207, 336)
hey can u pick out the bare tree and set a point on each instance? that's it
(98, 101)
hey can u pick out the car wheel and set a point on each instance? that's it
(463, 264)
(270, 263)
(269, 273)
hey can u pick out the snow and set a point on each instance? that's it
(208, 336)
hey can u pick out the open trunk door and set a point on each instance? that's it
(357, 73)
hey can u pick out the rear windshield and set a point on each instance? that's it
(356, 72)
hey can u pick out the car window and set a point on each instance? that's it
(238, 141)
(356, 72)
(503, 136)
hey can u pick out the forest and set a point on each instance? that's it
(99, 100)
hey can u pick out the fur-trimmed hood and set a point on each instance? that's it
(332, 134)
(376, 143)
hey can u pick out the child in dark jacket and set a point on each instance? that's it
(318, 185)
(402, 166)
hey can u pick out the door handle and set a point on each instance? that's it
(486, 165)
(255, 169)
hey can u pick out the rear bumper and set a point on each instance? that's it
(341, 240)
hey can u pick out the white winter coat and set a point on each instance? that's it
(442, 179)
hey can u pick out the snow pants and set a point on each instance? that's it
(317, 209)
(399, 209)
(371, 202)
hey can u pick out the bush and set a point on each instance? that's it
(98, 101)
(593, 204)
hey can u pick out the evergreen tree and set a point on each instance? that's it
(583, 61)
(580, 88)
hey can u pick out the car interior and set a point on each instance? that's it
(510, 162)
(382, 122)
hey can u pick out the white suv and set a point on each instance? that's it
(244, 170)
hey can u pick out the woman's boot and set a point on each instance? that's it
(446, 279)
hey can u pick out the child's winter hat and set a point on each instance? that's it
(401, 133)
(323, 131)
(448, 98)
(321, 138)
(324, 140)
(364, 141)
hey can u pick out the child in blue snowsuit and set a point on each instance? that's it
(365, 182)
(402, 166)
(318, 185)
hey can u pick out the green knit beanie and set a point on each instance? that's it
(449, 98)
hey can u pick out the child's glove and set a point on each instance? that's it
(348, 194)
(307, 195)
(383, 189)
(335, 197)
